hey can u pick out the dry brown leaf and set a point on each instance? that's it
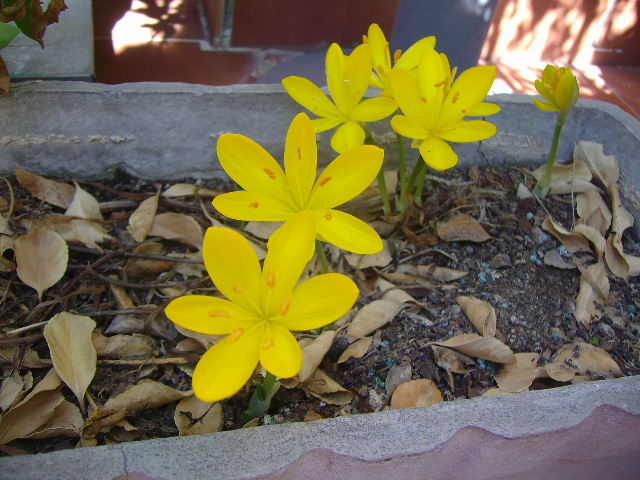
(416, 393)
(553, 258)
(122, 346)
(519, 376)
(86, 232)
(453, 360)
(621, 264)
(187, 189)
(30, 358)
(474, 345)
(66, 421)
(604, 167)
(572, 178)
(389, 291)
(41, 258)
(5, 229)
(380, 259)
(203, 339)
(34, 410)
(586, 359)
(557, 371)
(622, 219)
(56, 193)
(373, 316)
(313, 353)
(462, 227)
(145, 267)
(179, 227)
(592, 209)
(595, 238)
(195, 417)
(397, 375)
(10, 390)
(123, 301)
(323, 387)
(83, 205)
(432, 272)
(593, 276)
(262, 230)
(141, 219)
(357, 349)
(480, 313)
(73, 354)
(573, 242)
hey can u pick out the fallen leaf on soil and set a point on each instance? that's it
(389, 291)
(5, 229)
(145, 267)
(397, 375)
(416, 393)
(73, 354)
(518, 376)
(262, 230)
(204, 339)
(432, 272)
(10, 390)
(189, 269)
(188, 189)
(122, 346)
(572, 178)
(56, 193)
(604, 167)
(195, 417)
(146, 394)
(595, 238)
(621, 264)
(380, 259)
(573, 242)
(462, 227)
(373, 316)
(357, 349)
(480, 313)
(313, 353)
(553, 258)
(34, 410)
(584, 359)
(29, 360)
(453, 360)
(123, 300)
(474, 345)
(594, 287)
(141, 219)
(41, 258)
(592, 209)
(179, 227)
(323, 387)
(622, 219)
(66, 420)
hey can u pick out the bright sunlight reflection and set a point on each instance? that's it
(138, 27)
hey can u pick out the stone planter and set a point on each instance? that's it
(168, 131)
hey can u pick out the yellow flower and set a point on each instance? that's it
(434, 107)
(559, 87)
(273, 195)
(382, 57)
(263, 306)
(348, 80)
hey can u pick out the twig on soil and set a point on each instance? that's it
(135, 255)
(138, 286)
(17, 341)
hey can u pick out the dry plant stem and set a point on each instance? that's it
(135, 255)
(138, 286)
(542, 187)
(18, 341)
(322, 256)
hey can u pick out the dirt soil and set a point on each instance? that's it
(534, 302)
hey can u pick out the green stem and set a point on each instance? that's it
(420, 183)
(322, 257)
(542, 187)
(382, 183)
(403, 202)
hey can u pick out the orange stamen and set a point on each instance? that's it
(324, 181)
(237, 288)
(286, 305)
(439, 84)
(270, 343)
(218, 313)
(397, 55)
(328, 216)
(235, 335)
(455, 97)
(271, 278)
(269, 172)
(254, 205)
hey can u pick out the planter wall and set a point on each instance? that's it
(169, 131)
(589, 431)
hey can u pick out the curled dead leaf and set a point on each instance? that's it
(572, 178)
(480, 313)
(518, 376)
(416, 393)
(323, 387)
(179, 227)
(195, 417)
(462, 227)
(56, 193)
(604, 167)
(620, 263)
(313, 353)
(594, 287)
(487, 348)
(453, 360)
(141, 219)
(357, 349)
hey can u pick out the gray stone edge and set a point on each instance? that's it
(370, 437)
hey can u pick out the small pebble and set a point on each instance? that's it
(539, 236)
(529, 215)
(606, 330)
(482, 277)
(501, 260)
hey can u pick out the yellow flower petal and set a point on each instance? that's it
(466, 93)
(335, 64)
(279, 352)
(227, 366)
(567, 91)
(411, 58)
(310, 96)
(484, 109)
(469, 131)
(233, 266)
(301, 158)
(379, 46)
(346, 177)
(252, 206)
(544, 106)
(357, 72)
(348, 135)
(406, 93)
(347, 232)
(438, 154)
(319, 301)
(324, 124)
(289, 250)
(374, 109)
(408, 127)
(210, 315)
(250, 165)
(433, 80)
